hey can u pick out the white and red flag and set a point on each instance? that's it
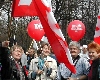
(53, 32)
(97, 30)
(22, 8)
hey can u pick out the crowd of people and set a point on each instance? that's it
(18, 64)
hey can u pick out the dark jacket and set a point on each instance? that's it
(95, 72)
(9, 70)
(29, 58)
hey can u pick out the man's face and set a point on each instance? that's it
(74, 51)
(84, 49)
(31, 51)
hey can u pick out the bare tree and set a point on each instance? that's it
(84, 10)
(64, 11)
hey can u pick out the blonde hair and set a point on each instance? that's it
(14, 47)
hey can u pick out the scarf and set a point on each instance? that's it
(41, 63)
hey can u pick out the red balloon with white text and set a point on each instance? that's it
(76, 30)
(35, 30)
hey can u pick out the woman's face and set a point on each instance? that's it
(17, 53)
(93, 54)
(45, 50)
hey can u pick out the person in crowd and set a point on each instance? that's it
(24, 58)
(51, 53)
(44, 67)
(84, 52)
(94, 55)
(36, 55)
(80, 63)
(11, 67)
(30, 56)
(3, 44)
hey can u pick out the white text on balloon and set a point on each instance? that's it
(76, 27)
(38, 26)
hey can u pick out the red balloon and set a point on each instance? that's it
(35, 30)
(97, 40)
(76, 30)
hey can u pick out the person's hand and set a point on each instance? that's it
(5, 43)
(39, 72)
(46, 64)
